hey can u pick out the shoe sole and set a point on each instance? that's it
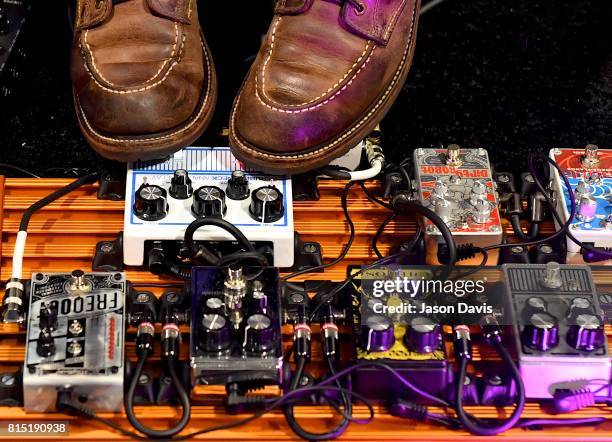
(256, 157)
(153, 146)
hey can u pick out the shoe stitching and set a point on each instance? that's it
(323, 103)
(195, 119)
(345, 135)
(269, 57)
(159, 71)
(141, 89)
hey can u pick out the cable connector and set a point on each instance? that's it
(145, 336)
(491, 331)
(301, 341)
(462, 342)
(566, 400)
(171, 338)
(12, 303)
(597, 254)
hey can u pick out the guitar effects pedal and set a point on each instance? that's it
(558, 325)
(589, 172)
(236, 326)
(75, 340)
(163, 198)
(457, 184)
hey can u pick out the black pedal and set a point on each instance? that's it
(236, 326)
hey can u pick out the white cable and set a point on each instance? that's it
(18, 253)
(366, 174)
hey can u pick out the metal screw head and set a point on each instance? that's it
(529, 178)
(503, 178)
(309, 247)
(172, 297)
(297, 298)
(545, 248)
(75, 327)
(396, 178)
(516, 249)
(419, 151)
(482, 152)
(144, 379)
(107, 247)
(7, 380)
(143, 297)
(495, 380)
(556, 151)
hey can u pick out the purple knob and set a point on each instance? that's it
(541, 333)
(423, 335)
(377, 333)
(258, 334)
(215, 335)
(587, 334)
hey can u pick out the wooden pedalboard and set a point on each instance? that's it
(63, 236)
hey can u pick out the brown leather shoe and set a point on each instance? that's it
(325, 76)
(144, 83)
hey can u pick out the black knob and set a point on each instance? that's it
(541, 332)
(238, 186)
(587, 334)
(259, 336)
(48, 317)
(533, 305)
(208, 201)
(423, 335)
(214, 304)
(180, 185)
(215, 334)
(579, 306)
(377, 334)
(266, 204)
(151, 202)
(45, 345)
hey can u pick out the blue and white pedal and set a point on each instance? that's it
(164, 197)
(589, 172)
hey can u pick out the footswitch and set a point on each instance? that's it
(589, 172)
(558, 324)
(457, 184)
(163, 198)
(75, 340)
(412, 346)
(236, 326)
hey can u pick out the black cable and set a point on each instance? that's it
(18, 169)
(347, 246)
(182, 395)
(27, 215)
(379, 233)
(217, 222)
(339, 173)
(490, 427)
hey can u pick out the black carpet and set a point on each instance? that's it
(514, 77)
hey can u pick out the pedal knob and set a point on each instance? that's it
(238, 186)
(479, 192)
(266, 204)
(534, 305)
(180, 185)
(482, 211)
(47, 318)
(45, 345)
(423, 335)
(587, 208)
(209, 201)
(377, 333)
(151, 202)
(258, 334)
(587, 334)
(541, 333)
(215, 305)
(215, 334)
(442, 208)
(579, 306)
